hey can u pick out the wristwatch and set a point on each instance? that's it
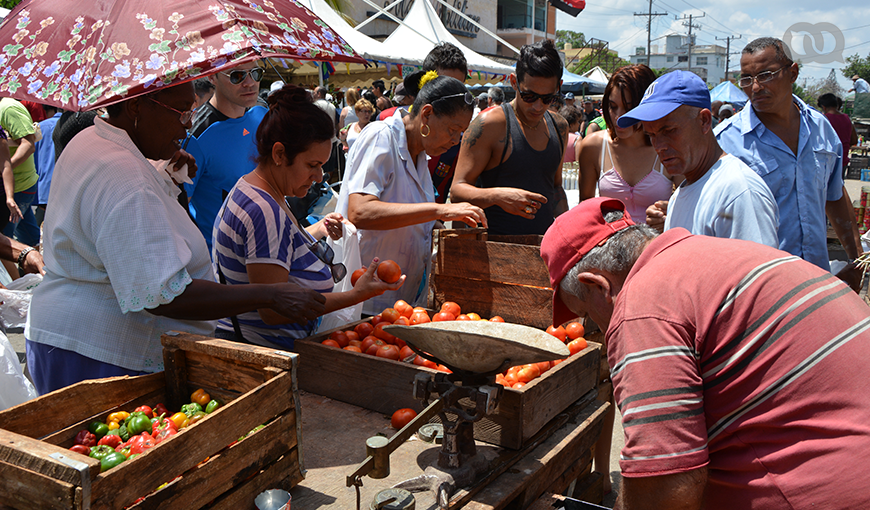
(23, 255)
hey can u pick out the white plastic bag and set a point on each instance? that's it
(14, 387)
(346, 251)
(16, 300)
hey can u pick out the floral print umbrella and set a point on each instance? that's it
(83, 55)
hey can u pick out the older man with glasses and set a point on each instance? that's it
(223, 140)
(798, 155)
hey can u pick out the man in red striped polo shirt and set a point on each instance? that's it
(739, 369)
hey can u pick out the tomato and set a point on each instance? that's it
(576, 346)
(354, 343)
(528, 373)
(364, 329)
(373, 350)
(353, 348)
(451, 307)
(405, 353)
(420, 318)
(463, 317)
(473, 316)
(356, 275)
(389, 271)
(369, 341)
(402, 321)
(514, 370)
(518, 385)
(558, 333)
(340, 338)
(499, 379)
(383, 335)
(556, 362)
(404, 308)
(543, 366)
(497, 318)
(420, 361)
(443, 316)
(388, 351)
(575, 330)
(331, 343)
(352, 335)
(377, 319)
(402, 417)
(442, 368)
(510, 379)
(391, 315)
(419, 309)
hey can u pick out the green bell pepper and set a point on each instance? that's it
(111, 460)
(98, 429)
(212, 405)
(138, 423)
(99, 452)
(190, 409)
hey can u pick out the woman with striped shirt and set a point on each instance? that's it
(256, 238)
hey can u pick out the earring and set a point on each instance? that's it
(136, 123)
(428, 130)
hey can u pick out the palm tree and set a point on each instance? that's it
(339, 6)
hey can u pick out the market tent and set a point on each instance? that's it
(423, 18)
(580, 84)
(598, 74)
(727, 92)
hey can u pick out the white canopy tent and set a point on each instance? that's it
(424, 19)
(597, 74)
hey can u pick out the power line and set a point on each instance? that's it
(728, 51)
(649, 15)
(691, 26)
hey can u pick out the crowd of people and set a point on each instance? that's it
(699, 246)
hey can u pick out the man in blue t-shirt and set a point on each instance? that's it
(44, 158)
(223, 141)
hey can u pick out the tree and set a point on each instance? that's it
(857, 65)
(577, 39)
(9, 4)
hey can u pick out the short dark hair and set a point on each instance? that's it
(829, 101)
(570, 114)
(294, 121)
(445, 56)
(202, 86)
(321, 91)
(632, 82)
(370, 96)
(540, 60)
(783, 53)
(436, 92)
(379, 84)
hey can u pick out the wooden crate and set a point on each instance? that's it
(493, 275)
(257, 385)
(384, 386)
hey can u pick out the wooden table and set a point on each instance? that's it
(333, 444)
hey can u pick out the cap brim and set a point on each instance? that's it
(646, 112)
(561, 313)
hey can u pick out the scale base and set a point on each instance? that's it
(444, 481)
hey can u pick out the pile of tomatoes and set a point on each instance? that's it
(518, 376)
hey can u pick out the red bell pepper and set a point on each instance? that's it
(85, 438)
(162, 429)
(146, 410)
(110, 440)
(161, 409)
(141, 443)
(80, 448)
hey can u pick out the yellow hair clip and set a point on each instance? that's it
(429, 76)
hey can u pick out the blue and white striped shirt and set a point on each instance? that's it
(252, 228)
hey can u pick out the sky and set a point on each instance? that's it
(614, 21)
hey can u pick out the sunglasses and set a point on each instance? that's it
(469, 99)
(184, 116)
(531, 97)
(239, 75)
(324, 253)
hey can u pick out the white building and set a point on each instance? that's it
(708, 61)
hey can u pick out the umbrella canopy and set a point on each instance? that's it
(729, 93)
(84, 55)
(580, 84)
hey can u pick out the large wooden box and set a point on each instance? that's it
(257, 386)
(493, 275)
(384, 386)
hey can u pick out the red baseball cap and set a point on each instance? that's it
(571, 237)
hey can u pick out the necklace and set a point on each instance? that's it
(262, 178)
(528, 126)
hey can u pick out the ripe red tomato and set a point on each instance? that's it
(463, 317)
(331, 343)
(373, 350)
(404, 308)
(352, 335)
(399, 343)
(575, 330)
(473, 316)
(497, 318)
(402, 417)
(353, 348)
(543, 366)
(576, 346)
(420, 318)
(389, 271)
(402, 321)
(405, 353)
(340, 338)
(555, 362)
(383, 335)
(510, 378)
(355, 343)
(388, 351)
(443, 316)
(369, 341)
(364, 329)
(451, 307)
(442, 368)
(391, 315)
(376, 320)
(528, 373)
(356, 274)
(558, 333)
(518, 385)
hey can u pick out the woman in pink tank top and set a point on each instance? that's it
(621, 163)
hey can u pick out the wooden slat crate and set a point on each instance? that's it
(384, 386)
(493, 275)
(257, 386)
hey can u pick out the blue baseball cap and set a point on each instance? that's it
(665, 95)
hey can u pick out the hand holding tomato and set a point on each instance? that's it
(469, 214)
(367, 286)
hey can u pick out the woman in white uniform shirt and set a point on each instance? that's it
(387, 191)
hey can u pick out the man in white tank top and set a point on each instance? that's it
(721, 196)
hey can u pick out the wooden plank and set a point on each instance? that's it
(283, 474)
(69, 404)
(590, 488)
(221, 472)
(227, 374)
(175, 362)
(124, 484)
(244, 353)
(25, 490)
(529, 239)
(35, 455)
(490, 261)
(531, 306)
(574, 472)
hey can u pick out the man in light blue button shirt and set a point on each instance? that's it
(860, 85)
(796, 152)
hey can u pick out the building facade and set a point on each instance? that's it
(708, 61)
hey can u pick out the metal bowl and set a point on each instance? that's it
(273, 499)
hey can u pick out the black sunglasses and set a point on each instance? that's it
(324, 253)
(239, 75)
(469, 99)
(531, 97)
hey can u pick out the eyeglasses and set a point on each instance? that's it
(531, 97)
(766, 76)
(469, 99)
(185, 116)
(324, 253)
(238, 76)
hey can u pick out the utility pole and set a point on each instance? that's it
(691, 26)
(728, 52)
(649, 15)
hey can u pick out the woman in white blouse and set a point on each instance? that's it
(124, 262)
(387, 190)
(350, 133)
